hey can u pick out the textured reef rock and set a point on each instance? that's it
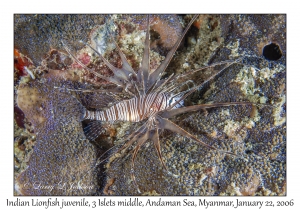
(62, 157)
(257, 134)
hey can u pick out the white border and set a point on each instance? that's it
(153, 6)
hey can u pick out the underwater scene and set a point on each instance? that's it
(150, 104)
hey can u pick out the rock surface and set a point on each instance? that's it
(256, 133)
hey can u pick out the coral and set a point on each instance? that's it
(62, 160)
(244, 130)
(254, 32)
(165, 29)
(35, 35)
(258, 134)
(168, 28)
(58, 60)
(21, 63)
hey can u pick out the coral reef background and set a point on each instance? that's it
(50, 149)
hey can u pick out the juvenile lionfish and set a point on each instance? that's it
(153, 98)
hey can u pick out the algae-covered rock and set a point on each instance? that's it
(255, 133)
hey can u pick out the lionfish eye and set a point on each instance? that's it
(170, 101)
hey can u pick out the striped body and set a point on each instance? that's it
(133, 110)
